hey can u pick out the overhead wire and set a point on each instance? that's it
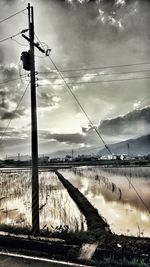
(6, 128)
(12, 80)
(43, 46)
(91, 123)
(83, 110)
(13, 15)
(93, 75)
(10, 37)
(1, 83)
(113, 80)
(25, 75)
(41, 43)
(76, 99)
(100, 81)
(106, 146)
(143, 202)
(102, 67)
(18, 42)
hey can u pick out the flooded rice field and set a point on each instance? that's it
(121, 195)
(56, 207)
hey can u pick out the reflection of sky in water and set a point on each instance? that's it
(124, 211)
(107, 189)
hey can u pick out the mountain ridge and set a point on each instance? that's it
(137, 146)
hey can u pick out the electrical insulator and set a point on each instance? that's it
(25, 57)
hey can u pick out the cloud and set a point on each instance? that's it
(8, 71)
(82, 34)
(46, 99)
(12, 115)
(10, 92)
(133, 124)
(75, 138)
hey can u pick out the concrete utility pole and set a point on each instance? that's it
(35, 182)
(28, 59)
(128, 145)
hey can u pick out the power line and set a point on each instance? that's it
(18, 42)
(102, 67)
(96, 74)
(1, 83)
(91, 123)
(43, 46)
(41, 43)
(106, 146)
(11, 16)
(70, 90)
(10, 37)
(101, 81)
(2, 135)
(114, 80)
(138, 194)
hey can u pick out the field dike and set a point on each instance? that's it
(93, 219)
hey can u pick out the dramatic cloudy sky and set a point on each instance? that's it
(88, 35)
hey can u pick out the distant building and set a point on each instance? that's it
(9, 161)
(68, 158)
(43, 160)
(55, 160)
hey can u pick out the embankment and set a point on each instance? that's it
(93, 219)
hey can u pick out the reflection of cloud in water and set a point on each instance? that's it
(97, 186)
(124, 215)
(141, 184)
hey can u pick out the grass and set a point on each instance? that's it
(71, 237)
(109, 262)
(81, 237)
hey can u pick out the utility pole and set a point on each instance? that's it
(72, 153)
(128, 145)
(34, 136)
(18, 156)
(28, 59)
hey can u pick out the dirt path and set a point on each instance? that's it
(94, 220)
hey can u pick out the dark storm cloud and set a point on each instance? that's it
(10, 94)
(8, 72)
(113, 37)
(126, 125)
(82, 34)
(91, 32)
(12, 115)
(75, 138)
(3, 104)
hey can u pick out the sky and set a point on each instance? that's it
(87, 38)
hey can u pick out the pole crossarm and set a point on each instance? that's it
(35, 44)
(46, 52)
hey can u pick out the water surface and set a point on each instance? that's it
(110, 190)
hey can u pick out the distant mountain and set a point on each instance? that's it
(132, 124)
(138, 146)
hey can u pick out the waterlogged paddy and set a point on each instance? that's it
(56, 207)
(111, 191)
